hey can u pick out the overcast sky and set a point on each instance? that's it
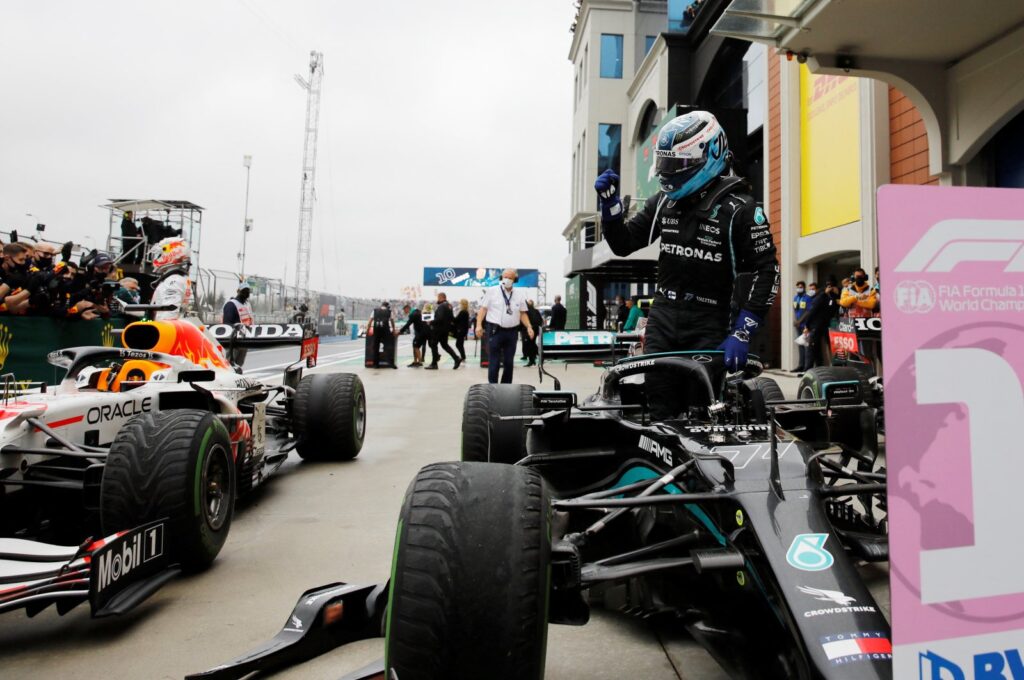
(444, 128)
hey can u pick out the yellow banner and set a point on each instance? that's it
(829, 151)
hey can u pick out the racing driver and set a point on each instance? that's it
(711, 231)
(171, 260)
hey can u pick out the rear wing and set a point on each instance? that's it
(268, 335)
(585, 346)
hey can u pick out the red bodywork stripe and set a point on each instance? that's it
(66, 421)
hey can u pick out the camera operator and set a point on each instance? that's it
(98, 289)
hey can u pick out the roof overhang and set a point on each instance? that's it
(142, 205)
(958, 62)
(941, 32)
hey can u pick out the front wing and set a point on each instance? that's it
(114, 574)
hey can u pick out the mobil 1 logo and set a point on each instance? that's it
(124, 560)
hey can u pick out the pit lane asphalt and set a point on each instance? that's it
(319, 523)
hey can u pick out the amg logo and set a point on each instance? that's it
(950, 242)
(662, 453)
(113, 411)
(687, 251)
(116, 564)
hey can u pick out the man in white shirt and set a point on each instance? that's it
(502, 310)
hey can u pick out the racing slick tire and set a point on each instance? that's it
(487, 441)
(329, 414)
(847, 428)
(174, 465)
(469, 580)
(762, 391)
(812, 383)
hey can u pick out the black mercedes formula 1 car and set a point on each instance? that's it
(738, 519)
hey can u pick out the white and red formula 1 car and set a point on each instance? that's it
(150, 444)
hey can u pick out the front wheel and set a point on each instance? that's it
(470, 582)
(175, 465)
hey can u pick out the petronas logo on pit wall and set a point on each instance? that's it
(106, 336)
(5, 344)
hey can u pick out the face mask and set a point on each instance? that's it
(507, 283)
(799, 291)
(812, 292)
(860, 280)
(44, 262)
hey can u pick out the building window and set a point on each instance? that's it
(681, 14)
(611, 55)
(609, 147)
(586, 68)
(649, 43)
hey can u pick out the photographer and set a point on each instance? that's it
(98, 290)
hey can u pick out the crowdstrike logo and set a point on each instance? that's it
(827, 595)
(951, 242)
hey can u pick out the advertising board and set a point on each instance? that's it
(482, 277)
(953, 293)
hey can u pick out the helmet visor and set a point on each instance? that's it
(675, 181)
(674, 165)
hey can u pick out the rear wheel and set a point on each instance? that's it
(762, 391)
(469, 581)
(329, 415)
(175, 465)
(843, 427)
(489, 440)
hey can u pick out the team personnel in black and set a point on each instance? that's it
(711, 232)
(420, 331)
(439, 329)
(383, 342)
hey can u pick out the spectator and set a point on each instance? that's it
(15, 276)
(414, 319)
(800, 303)
(301, 316)
(860, 299)
(816, 322)
(635, 314)
(621, 313)
(131, 239)
(558, 315)
(502, 310)
(461, 328)
(128, 294)
(440, 326)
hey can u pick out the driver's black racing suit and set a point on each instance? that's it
(707, 240)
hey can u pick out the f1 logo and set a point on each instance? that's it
(950, 242)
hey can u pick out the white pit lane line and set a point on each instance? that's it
(332, 359)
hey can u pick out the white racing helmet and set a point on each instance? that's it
(169, 253)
